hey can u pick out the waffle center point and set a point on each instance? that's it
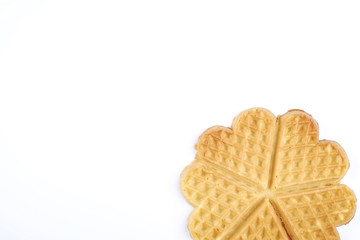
(267, 193)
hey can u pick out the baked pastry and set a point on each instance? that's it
(267, 177)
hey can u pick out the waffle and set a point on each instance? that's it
(267, 177)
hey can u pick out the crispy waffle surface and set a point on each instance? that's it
(267, 177)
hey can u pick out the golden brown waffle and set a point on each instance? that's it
(267, 178)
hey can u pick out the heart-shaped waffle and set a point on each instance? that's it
(267, 177)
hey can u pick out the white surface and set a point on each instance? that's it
(101, 102)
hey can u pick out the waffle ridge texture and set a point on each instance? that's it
(267, 178)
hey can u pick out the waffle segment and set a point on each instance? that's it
(315, 213)
(245, 149)
(301, 158)
(263, 224)
(220, 201)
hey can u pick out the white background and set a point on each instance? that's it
(101, 102)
